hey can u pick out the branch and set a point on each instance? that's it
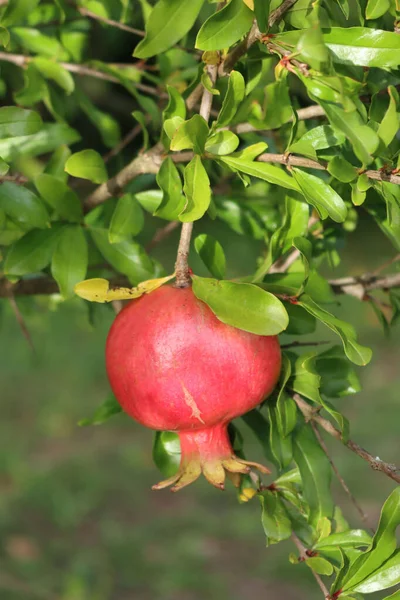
(374, 462)
(88, 13)
(342, 482)
(148, 162)
(83, 70)
(360, 286)
(278, 13)
(303, 556)
(298, 161)
(236, 54)
(309, 112)
(181, 264)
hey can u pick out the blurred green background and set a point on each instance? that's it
(78, 520)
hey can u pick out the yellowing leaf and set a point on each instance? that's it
(98, 290)
(249, 3)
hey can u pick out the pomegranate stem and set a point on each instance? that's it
(181, 266)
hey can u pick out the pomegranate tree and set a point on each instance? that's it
(174, 366)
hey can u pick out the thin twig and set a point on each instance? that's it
(21, 321)
(130, 136)
(303, 556)
(309, 112)
(353, 500)
(374, 462)
(386, 264)
(88, 13)
(161, 234)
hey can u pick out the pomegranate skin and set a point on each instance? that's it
(173, 365)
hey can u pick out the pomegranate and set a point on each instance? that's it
(174, 366)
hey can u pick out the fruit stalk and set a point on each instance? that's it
(181, 265)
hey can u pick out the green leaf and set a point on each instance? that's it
(212, 254)
(313, 50)
(50, 137)
(300, 321)
(191, 135)
(70, 259)
(106, 410)
(127, 219)
(395, 596)
(319, 565)
(305, 248)
(141, 119)
(261, 10)
(376, 8)
(53, 70)
(39, 43)
(60, 197)
(360, 355)
(316, 474)
(383, 544)
(264, 171)
(356, 45)
(233, 97)
(281, 447)
(173, 200)
(390, 123)
(364, 140)
(352, 538)
(16, 121)
(172, 125)
(225, 27)
(321, 195)
(286, 410)
(242, 305)
(176, 107)
(23, 206)
(386, 576)
(260, 427)
(274, 518)
(87, 164)
(149, 200)
(278, 107)
(341, 169)
(128, 257)
(168, 22)
(318, 138)
(306, 381)
(197, 191)
(222, 142)
(338, 378)
(57, 161)
(208, 84)
(166, 452)
(31, 253)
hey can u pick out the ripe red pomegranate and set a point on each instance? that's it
(174, 366)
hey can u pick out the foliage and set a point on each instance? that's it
(299, 142)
